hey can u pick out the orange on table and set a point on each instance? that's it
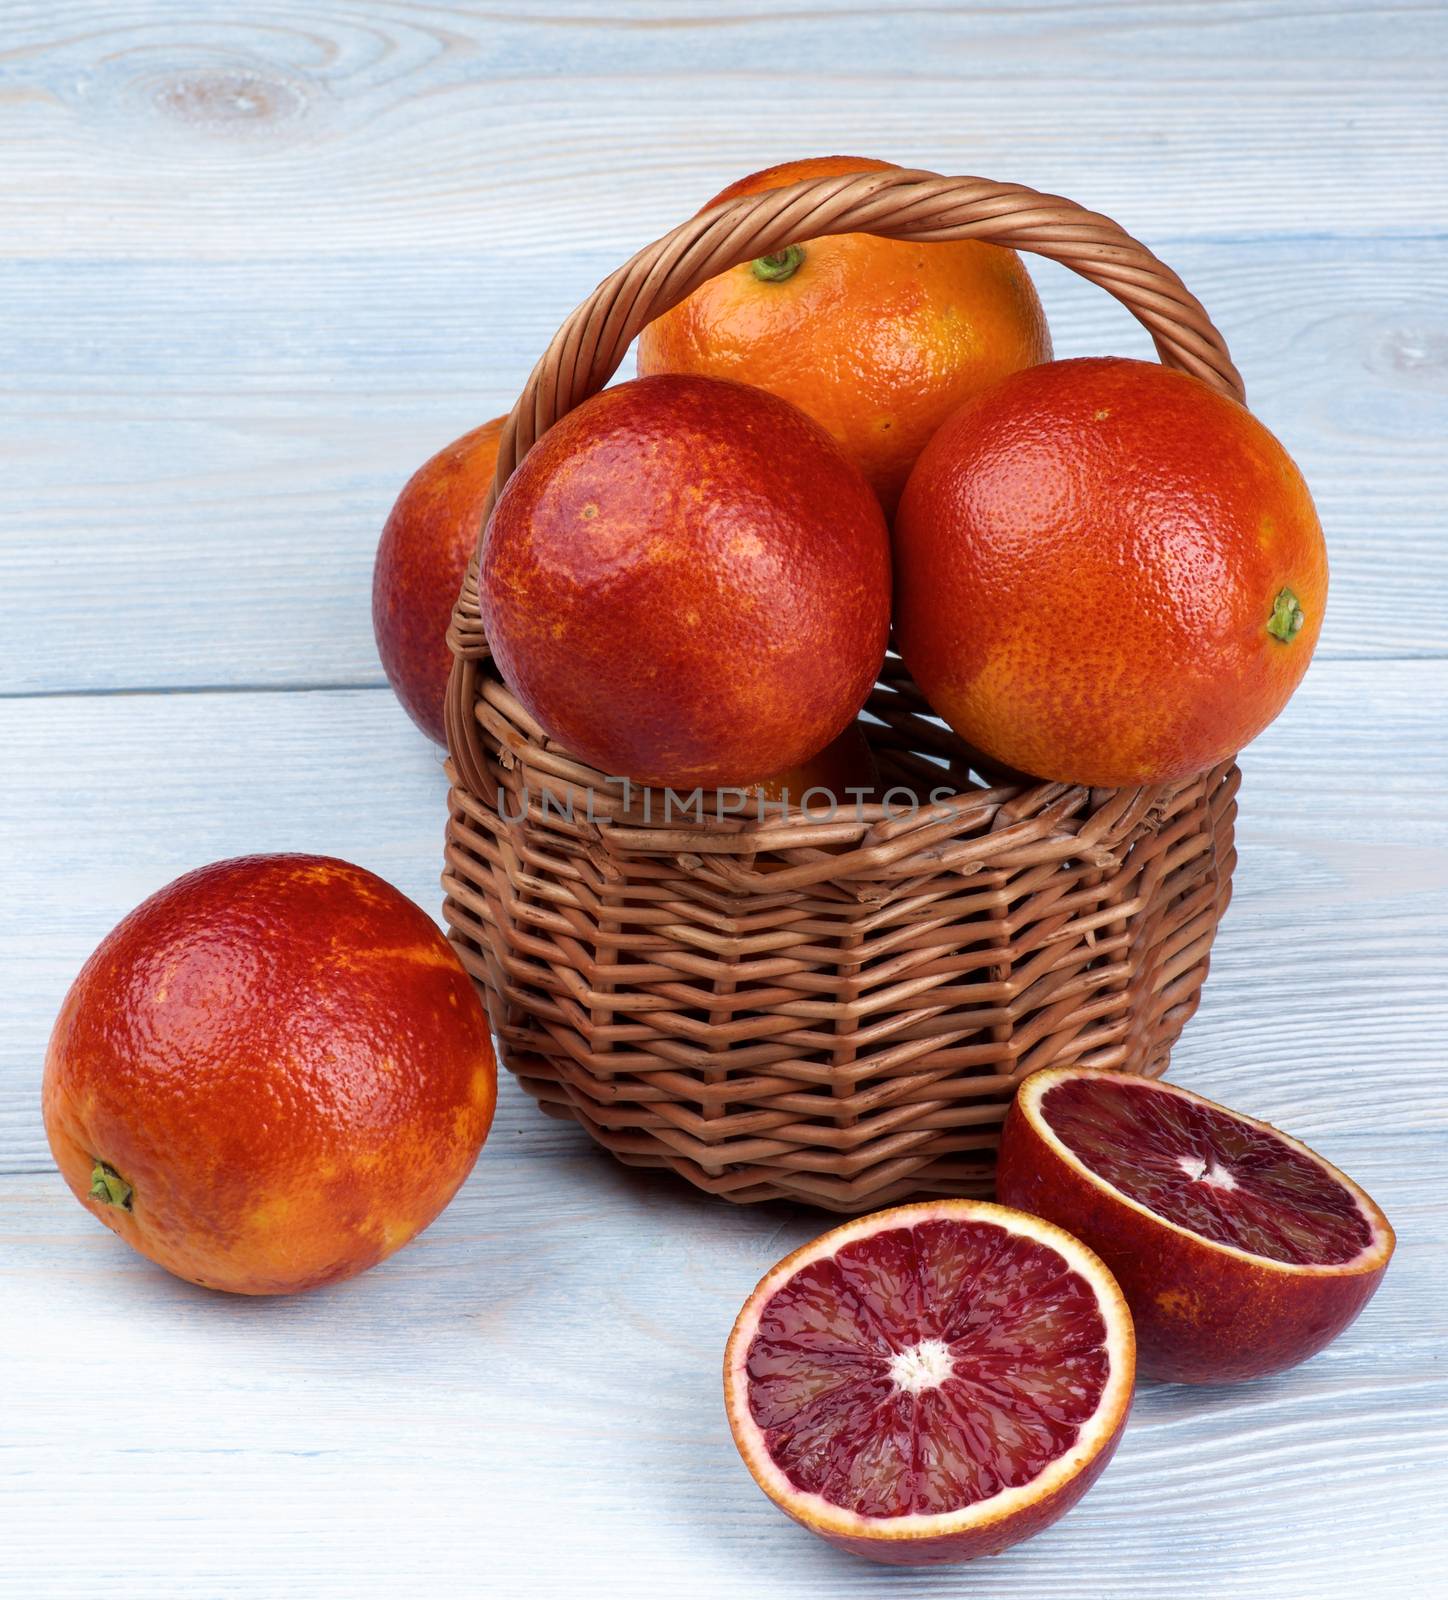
(1107, 573)
(932, 1383)
(270, 1075)
(877, 339)
(1240, 1251)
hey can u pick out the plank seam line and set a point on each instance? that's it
(372, 686)
(163, 691)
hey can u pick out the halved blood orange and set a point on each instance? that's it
(931, 1383)
(1240, 1251)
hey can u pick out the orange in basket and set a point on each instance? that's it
(848, 1028)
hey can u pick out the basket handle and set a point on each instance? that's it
(894, 203)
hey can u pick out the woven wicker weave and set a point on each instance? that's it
(830, 1010)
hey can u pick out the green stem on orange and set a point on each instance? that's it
(1286, 620)
(776, 268)
(109, 1187)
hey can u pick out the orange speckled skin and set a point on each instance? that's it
(285, 1060)
(687, 583)
(877, 339)
(1086, 561)
(1201, 1315)
(426, 544)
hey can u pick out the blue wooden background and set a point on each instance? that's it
(256, 261)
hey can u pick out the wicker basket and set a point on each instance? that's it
(831, 1011)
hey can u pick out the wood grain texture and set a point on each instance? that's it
(1321, 1011)
(318, 127)
(526, 1403)
(529, 1395)
(257, 261)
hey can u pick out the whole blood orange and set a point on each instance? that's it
(686, 583)
(270, 1075)
(878, 339)
(426, 545)
(1239, 1250)
(845, 770)
(1107, 573)
(931, 1383)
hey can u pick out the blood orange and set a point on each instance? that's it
(271, 1075)
(426, 544)
(1107, 573)
(845, 769)
(686, 582)
(878, 340)
(1240, 1251)
(931, 1383)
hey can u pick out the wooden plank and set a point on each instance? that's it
(197, 462)
(527, 1400)
(1327, 970)
(257, 262)
(1333, 939)
(318, 128)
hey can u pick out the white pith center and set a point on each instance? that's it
(1200, 1171)
(923, 1366)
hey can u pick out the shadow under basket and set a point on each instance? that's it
(831, 1007)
